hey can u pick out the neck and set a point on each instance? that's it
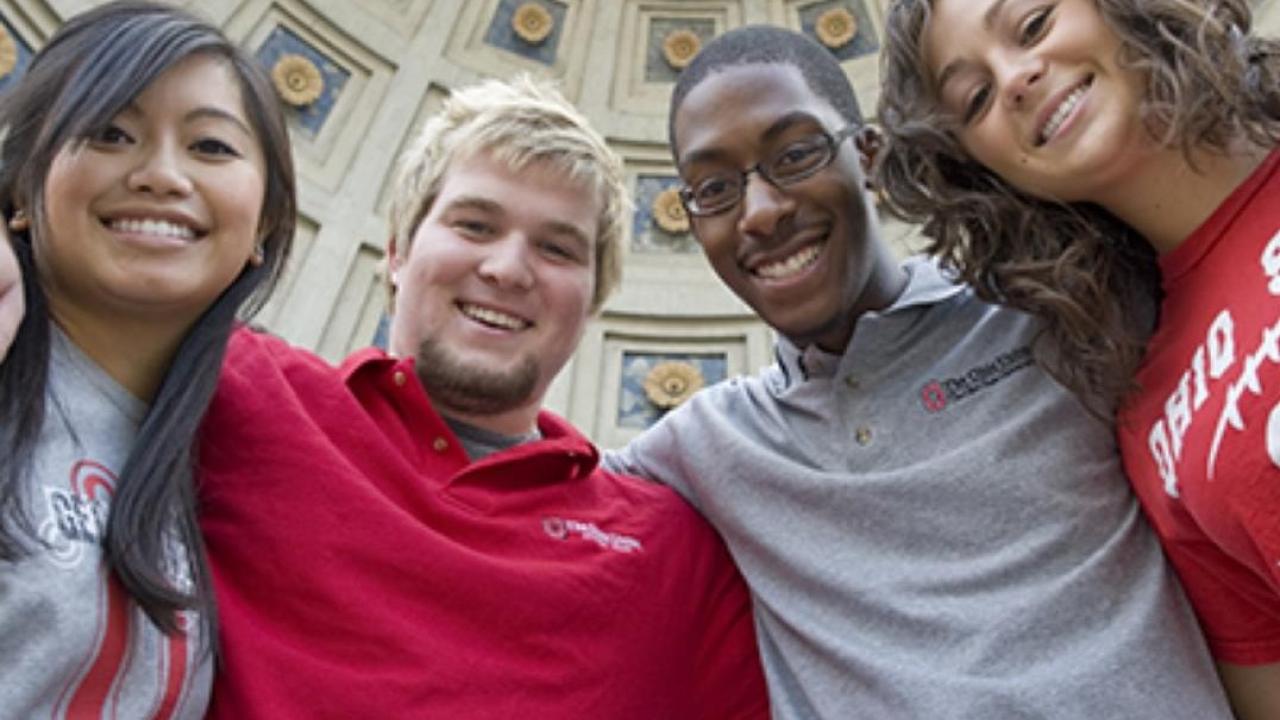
(135, 352)
(886, 281)
(512, 423)
(1170, 196)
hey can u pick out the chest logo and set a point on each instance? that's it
(566, 530)
(940, 393)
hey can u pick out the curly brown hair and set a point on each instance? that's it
(1092, 279)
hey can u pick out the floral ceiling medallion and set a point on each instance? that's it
(8, 52)
(297, 80)
(670, 383)
(836, 27)
(532, 22)
(680, 47)
(669, 212)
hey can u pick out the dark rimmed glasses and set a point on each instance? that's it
(721, 191)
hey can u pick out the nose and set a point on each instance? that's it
(507, 262)
(763, 207)
(1019, 77)
(160, 171)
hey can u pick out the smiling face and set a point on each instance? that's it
(155, 215)
(496, 289)
(1040, 92)
(807, 257)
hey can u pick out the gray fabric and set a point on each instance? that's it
(481, 443)
(53, 601)
(984, 560)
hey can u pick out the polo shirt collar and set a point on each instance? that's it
(927, 284)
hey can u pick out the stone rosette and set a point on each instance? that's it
(672, 382)
(8, 52)
(533, 23)
(836, 27)
(298, 81)
(680, 47)
(669, 212)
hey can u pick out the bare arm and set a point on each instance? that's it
(1254, 690)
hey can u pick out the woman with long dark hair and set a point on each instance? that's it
(146, 180)
(1111, 166)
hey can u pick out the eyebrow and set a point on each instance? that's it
(485, 205)
(200, 113)
(954, 67)
(217, 113)
(776, 128)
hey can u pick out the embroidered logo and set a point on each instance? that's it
(938, 394)
(565, 529)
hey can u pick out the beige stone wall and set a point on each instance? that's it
(387, 64)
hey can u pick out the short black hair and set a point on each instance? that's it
(768, 45)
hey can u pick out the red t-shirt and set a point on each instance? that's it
(365, 567)
(1201, 442)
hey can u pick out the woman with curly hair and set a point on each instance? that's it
(1110, 166)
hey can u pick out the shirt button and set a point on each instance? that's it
(863, 435)
(852, 382)
(399, 378)
(440, 444)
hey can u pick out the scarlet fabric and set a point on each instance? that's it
(365, 567)
(1202, 441)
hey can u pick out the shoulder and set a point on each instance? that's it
(656, 512)
(261, 370)
(252, 350)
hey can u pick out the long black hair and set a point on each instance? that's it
(90, 70)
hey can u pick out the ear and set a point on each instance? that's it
(394, 261)
(19, 222)
(259, 254)
(391, 280)
(869, 142)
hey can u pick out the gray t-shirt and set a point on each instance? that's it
(72, 643)
(932, 528)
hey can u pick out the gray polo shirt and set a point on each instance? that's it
(932, 528)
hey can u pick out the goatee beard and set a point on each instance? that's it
(462, 387)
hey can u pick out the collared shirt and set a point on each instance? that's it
(366, 567)
(932, 527)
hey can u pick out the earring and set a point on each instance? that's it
(19, 222)
(259, 253)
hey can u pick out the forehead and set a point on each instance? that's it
(736, 106)
(539, 191)
(198, 79)
(956, 28)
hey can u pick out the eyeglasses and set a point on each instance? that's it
(722, 190)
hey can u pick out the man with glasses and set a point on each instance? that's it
(930, 526)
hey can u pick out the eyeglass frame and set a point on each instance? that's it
(685, 191)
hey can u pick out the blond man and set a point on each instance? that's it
(417, 537)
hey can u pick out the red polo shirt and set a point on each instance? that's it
(365, 567)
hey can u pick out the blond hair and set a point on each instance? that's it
(517, 122)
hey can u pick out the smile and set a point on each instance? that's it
(493, 318)
(154, 227)
(1063, 111)
(791, 265)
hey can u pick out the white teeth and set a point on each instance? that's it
(789, 266)
(162, 228)
(493, 317)
(1060, 115)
